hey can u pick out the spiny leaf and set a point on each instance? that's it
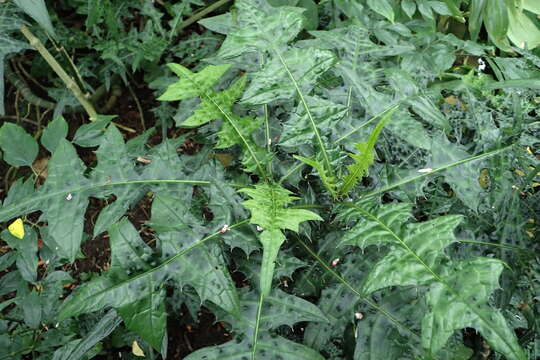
(417, 258)
(261, 27)
(329, 181)
(365, 156)
(185, 89)
(268, 210)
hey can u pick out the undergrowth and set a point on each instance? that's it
(333, 180)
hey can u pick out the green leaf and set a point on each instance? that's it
(409, 6)
(311, 14)
(416, 258)
(268, 209)
(55, 130)
(210, 110)
(328, 179)
(192, 84)
(475, 18)
(463, 178)
(89, 135)
(261, 27)
(65, 170)
(20, 149)
(496, 22)
(37, 10)
(474, 280)
(522, 31)
(295, 70)
(382, 7)
(268, 348)
(365, 156)
(26, 252)
(115, 165)
(78, 350)
(297, 129)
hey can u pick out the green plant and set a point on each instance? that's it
(357, 191)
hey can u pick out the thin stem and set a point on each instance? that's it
(257, 325)
(68, 81)
(365, 123)
(511, 247)
(434, 171)
(356, 292)
(198, 15)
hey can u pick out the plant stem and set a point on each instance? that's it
(199, 14)
(68, 81)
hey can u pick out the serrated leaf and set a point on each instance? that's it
(20, 149)
(416, 258)
(365, 156)
(274, 81)
(210, 110)
(261, 27)
(90, 135)
(473, 282)
(297, 129)
(185, 89)
(37, 10)
(268, 209)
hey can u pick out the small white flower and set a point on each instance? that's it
(358, 316)
(260, 228)
(224, 229)
(69, 197)
(481, 65)
(426, 170)
(335, 262)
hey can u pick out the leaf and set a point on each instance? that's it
(522, 31)
(277, 80)
(462, 178)
(37, 10)
(115, 165)
(101, 330)
(475, 279)
(210, 110)
(26, 253)
(328, 179)
(20, 149)
(409, 6)
(496, 22)
(268, 209)
(365, 156)
(475, 18)
(90, 135)
(382, 7)
(16, 228)
(261, 27)
(192, 84)
(416, 259)
(65, 169)
(55, 130)
(297, 129)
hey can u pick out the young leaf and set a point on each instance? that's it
(268, 210)
(192, 84)
(364, 158)
(56, 130)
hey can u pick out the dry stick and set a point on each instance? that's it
(70, 83)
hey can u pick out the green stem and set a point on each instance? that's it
(356, 292)
(198, 15)
(68, 81)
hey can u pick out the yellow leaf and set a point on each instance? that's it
(17, 228)
(136, 349)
